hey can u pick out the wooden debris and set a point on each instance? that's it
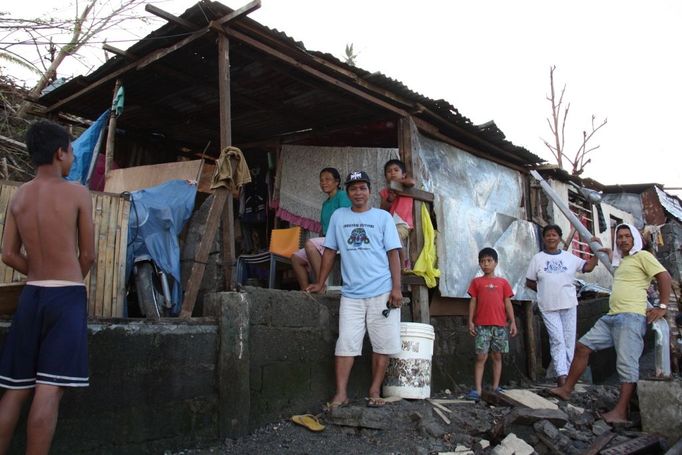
(441, 415)
(439, 406)
(444, 401)
(529, 399)
(600, 443)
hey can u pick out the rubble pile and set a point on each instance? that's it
(507, 423)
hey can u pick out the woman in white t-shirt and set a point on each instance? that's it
(551, 273)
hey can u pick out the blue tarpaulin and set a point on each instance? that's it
(84, 150)
(157, 216)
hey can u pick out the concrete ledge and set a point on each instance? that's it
(660, 405)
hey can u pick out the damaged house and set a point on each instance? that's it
(212, 78)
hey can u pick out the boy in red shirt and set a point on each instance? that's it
(490, 310)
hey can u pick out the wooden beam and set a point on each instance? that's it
(420, 293)
(137, 64)
(156, 11)
(239, 12)
(111, 133)
(312, 71)
(197, 274)
(419, 195)
(531, 342)
(159, 54)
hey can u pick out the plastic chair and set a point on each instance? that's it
(283, 243)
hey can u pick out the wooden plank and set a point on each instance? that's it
(441, 415)
(140, 177)
(417, 195)
(439, 406)
(110, 243)
(213, 220)
(100, 276)
(420, 304)
(120, 266)
(448, 306)
(97, 206)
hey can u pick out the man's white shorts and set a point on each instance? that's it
(357, 314)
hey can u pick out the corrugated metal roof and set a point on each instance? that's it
(269, 97)
(671, 204)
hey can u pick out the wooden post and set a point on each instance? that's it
(225, 141)
(420, 294)
(221, 196)
(111, 134)
(531, 350)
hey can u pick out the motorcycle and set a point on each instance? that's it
(157, 217)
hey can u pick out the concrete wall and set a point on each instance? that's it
(260, 356)
(152, 388)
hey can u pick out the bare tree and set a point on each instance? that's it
(557, 125)
(90, 19)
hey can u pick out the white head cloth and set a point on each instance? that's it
(637, 244)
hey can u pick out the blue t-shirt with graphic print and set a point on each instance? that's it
(363, 239)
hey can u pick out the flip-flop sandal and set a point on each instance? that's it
(375, 402)
(331, 405)
(309, 421)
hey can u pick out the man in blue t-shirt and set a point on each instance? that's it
(368, 243)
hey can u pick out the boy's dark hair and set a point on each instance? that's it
(487, 252)
(398, 163)
(335, 173)
(552, 227)
(43, 139)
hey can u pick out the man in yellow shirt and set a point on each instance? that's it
(625, 324)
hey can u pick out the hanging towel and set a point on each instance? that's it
(223, 170)
(426, 262)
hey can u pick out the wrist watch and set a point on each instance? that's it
(663, 306)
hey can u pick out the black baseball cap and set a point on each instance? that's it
(357, 176)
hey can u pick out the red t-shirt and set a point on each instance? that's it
(490, 293)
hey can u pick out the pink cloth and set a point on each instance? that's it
(319, 245)
(305, 223)
(401, 206)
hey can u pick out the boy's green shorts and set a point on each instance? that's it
(491, 338)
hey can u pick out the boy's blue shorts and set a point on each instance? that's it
(47, 342)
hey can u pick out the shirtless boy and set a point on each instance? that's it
(46, 347)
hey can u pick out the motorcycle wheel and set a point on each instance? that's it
(148, 298)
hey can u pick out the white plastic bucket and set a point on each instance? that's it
(409, 372)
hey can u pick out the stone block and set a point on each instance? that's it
(529, 399)
(527, 416)
(660, 405)
(546, 428)
(516, 445)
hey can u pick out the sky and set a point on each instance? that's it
(620, 60)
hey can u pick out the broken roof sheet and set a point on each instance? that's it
(671, 204)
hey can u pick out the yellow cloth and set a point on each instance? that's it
(631, 281)
(426, 262)
(222, 176)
